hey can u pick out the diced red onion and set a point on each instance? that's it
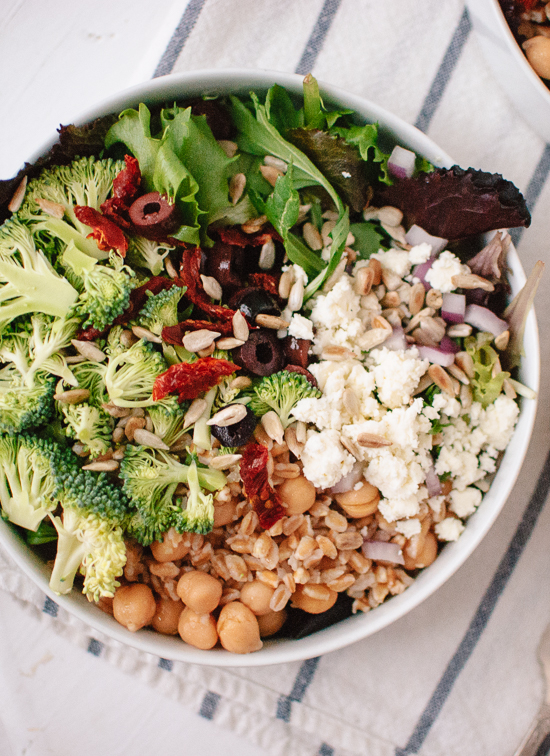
(436, 356)
(383, 551)
(453, 308)
(484, 319)
(419, 271)
(401, 162)
(416, 235)
(396, 341)
(448, 346)
(433, 484)
(348, 481)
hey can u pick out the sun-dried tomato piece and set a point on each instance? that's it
(264, 499)
(189, 379)
(238, 238)
(107, 234)
(190, 277)
(125, 187)
(174, 334)
(265, 281)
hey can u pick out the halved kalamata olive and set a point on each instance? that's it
(225, 263)
(217, 117)
(237, 434)
(154, 216)
(299, 369)
(261, 354)
(296, 350)
(253, 301)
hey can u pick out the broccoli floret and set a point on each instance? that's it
(199, 512)
(23, 407)
(146, 253)
(281, 392)
(167, 418)
(28, 486)
(85, 181)
(28, 283)
(89, 375)
(90, 425)
(36, 347)
(130, 375)
(161, 309)
(150, 479)
(106, 295)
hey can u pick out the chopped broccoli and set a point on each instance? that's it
(23, 407)
(89, 375)
(28, 486)
(199, 512)
(150, 481)
(167, 418)
(130, 375)
(161, 309)
(85, 181)
(281, 392)
(90, 425)
(106, 295)
(146, 253)
(28, 283)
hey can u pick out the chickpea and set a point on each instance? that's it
(199, 591)
(238, 629)
(166, 617)
(359, 502)
(198, 630)
(271, 623)
(224, 513)
(429, 551)
(325, 599)
(256, 596)
(537, 50)
(172, 547)
(297, 494)
(134, 606)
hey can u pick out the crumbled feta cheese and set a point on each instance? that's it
(498, 421)
(396, 260)
(443, 269)
(336, 318)
(324, 458)
(420, 253)
(408, 528)
(464, 503)
(397, 474)
(298, 273)
(300, 327)
(449, 529)
(399, 508)
(397, 374)
(447, 404)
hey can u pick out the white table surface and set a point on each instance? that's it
(56, 58)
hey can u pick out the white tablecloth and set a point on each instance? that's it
(459, 674)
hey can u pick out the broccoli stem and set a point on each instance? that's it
(201, 432)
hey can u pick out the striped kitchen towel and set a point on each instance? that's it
(458, 675)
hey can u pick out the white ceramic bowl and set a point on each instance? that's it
(526, 90)
(453, 555)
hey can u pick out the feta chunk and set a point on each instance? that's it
(420, 253)
(300, 327)
(449, 529)
(396, 260)
(464, 503)
(409, 527)
(324, 458)
(447, 265)
(397, 374)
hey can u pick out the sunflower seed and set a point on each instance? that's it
(501, 341)
(351, 402)
(363, 281)
(75, 360)
(18, 196)
(51, 208)
(416, 298)
(240, 326)
(336, 354)
(434, 299)
(254, 224)
(89, 350)
(390, 216)
(228, 343)
(195, 410)
(312, 237)
(145, 333)
(301, 432)
(240, 382)
(271, 423)
(271, 321)
(442, 379)
(433, 328)
(267, 255)
(208, 351)
(391, 280)
(224, 461)
(196, 341)
(146, 438)
(106, 465)
(459, 330)
(350, 446)
(74, 396)
(211, 287)
(115, 411)
(465, 363)
(169, 265)
(472, 281)
(237, 184)
(230, 148)
(230, 415)
(427, 312)
(296, 296)
(459, 374)
(372, 441)
(118, 435)
(276, 163)
(424, 383)
(285, 283)
(270, 173)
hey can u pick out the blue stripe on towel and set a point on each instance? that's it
(325, 750)
(50, 607)
(444, 73)
(179, 37)
(209, 705)
(301, 684)
(317, 38)
(166, 664)
(483, 614)
(534, 188)
(95, 647)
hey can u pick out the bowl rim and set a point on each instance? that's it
(451, 557)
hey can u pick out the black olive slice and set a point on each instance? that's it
(254, 301)
(262, 354)
(224, 262)
(154, 217)
(237, 434)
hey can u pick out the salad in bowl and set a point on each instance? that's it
(260, 366)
